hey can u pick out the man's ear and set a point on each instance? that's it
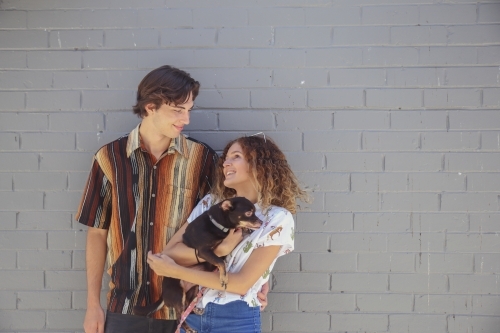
(150, 108)
(226, 205)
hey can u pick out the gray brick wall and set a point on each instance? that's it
(388, 110)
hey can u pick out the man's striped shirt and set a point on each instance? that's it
(142, 202)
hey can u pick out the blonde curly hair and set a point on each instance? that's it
(275, 181)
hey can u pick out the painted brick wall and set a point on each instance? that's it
(388, 110)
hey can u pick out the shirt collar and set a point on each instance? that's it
(179, 144)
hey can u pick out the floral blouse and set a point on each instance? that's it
(277, 229)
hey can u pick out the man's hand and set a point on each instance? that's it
(262, 295)
(162, 264)
(94, 320)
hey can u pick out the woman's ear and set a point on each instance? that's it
(226, 205)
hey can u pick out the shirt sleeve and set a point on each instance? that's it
(200, 208)
(95, 207)
(279, 229)
(208, 173)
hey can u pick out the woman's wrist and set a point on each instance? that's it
(175, 270)
(221, 251)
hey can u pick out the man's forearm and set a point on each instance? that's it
(95, 256)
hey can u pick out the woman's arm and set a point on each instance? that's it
(239, 283)
(185, 256)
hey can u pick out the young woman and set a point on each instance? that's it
(255, 168)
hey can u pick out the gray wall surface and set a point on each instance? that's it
(388, 111)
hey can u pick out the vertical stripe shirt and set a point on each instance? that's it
(142, 201)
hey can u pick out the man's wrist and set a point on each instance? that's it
(94, 303)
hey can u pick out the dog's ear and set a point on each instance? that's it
(226, 205)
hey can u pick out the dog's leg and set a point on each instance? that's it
(146, 310)
(172, 293)
(210, 257)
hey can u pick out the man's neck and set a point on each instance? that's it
(155, 143)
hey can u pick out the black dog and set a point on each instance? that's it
(204, 234)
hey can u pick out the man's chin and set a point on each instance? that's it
(173, 135)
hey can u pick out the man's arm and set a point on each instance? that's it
(95, 256)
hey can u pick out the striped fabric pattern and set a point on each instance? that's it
(142, 202)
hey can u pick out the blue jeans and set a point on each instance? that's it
(232, 317)
(125, 323)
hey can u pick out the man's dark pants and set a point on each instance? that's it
(125, 323)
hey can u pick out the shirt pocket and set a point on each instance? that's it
(181, 201)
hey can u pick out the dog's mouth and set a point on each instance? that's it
(252, 225)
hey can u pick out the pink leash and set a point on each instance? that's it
(190, 308)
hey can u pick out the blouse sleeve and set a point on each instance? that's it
(279, 229)
(200, 208)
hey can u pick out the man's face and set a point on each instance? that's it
(169, 120)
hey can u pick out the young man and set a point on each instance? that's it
(141, 189)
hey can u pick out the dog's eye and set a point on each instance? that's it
(249, 213)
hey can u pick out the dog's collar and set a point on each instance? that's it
(221, 227)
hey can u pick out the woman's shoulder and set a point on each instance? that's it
(206, 201)
(203, 205)
(278, 228)
(278, 210)
(277, 214)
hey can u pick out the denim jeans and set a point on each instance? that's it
(232, 317)
(125, 323)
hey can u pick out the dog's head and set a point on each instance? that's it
(238, 212)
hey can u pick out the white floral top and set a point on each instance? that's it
(277, 229)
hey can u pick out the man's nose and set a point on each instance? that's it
(185, 118)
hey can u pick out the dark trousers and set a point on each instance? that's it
(125, 323)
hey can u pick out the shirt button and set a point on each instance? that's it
(150, 223)
(153, 195)
(147, 283)
(154, 166)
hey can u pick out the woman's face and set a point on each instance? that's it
(236, 169)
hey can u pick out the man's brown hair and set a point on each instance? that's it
(165, 84)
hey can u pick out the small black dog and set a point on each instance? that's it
(204, 234)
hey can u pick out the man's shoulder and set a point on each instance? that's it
(197, 143)
(115, 146)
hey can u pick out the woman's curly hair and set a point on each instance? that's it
(274, 179)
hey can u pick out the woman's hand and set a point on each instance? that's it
(234, 237)
(162, 264)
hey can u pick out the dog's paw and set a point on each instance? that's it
(224, 279)
(224, 282)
